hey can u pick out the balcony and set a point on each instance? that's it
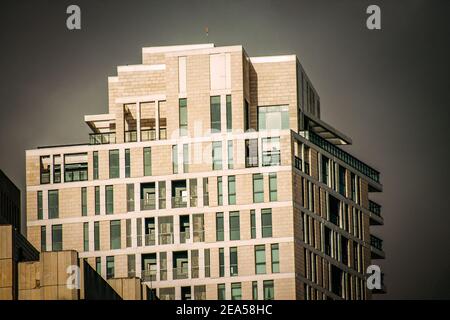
(148, 204)
(148, 275)
(165, 238)
(102, 138)
(180, 273)
(150, 239)
(130, 136)
(375, 208)
(342, 155)
(179, 202)
(376, 245)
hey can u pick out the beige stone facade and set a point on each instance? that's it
(211, 176)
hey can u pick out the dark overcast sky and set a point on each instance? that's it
(387, 89)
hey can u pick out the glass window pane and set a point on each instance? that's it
(215, 114)
(148, 161)
(113, 164)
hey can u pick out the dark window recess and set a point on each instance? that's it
(333, 209)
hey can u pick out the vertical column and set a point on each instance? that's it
(138, 120)
(137, 197)
(223, 113)
(157, 118)
(258, 223)
(176, 229)
(133, 234)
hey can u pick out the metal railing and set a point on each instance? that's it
(376, 242)
(102, 138)
(148, 204)
(180, 273)
(179, 202)
(150, 239)
(342, 155)
(148, 275)
(375, 208)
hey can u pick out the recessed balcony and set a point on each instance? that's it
(376, 246)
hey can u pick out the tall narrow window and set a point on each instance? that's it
(324, 168)
(95, 163)
(43, 238)
(162, 194)
(109, 199)
(221, 291)
(128, 233)
(113, 164)
(258, 188)
(127, 163)
(231, 190)
(219, 227)
(130, 197)
(83, 201)
(273, 196)
(98, 265)
(234, 226)
(86, 236)
(221, 263)
(229, 114)
(114, 234)
(215, 114)
(260, 259)
(230, 154)
(183, 116)
(246, 115)
(56, 169)
(266, 223)
(219, 191)
(233, 261)
(268, 290)
(139, 232)
(342, 180)
(175, 159)
(57, 237)
(40, 215)
(275, 252)
(97, 200)
(53, 204)
(207, 259)
(252, 224)
(131, 264)
(353, 186)
(205, 192)
(251, 153)
(96, 235)
(185, 158)
(148, 161)
(255, 290)
(236, 291)
(109, 267)
(217, 155)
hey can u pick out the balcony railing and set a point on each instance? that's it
(376, 242)
(148, 204)
(184, 236)
(166, 238)
(342, 155)
(130, 136)
(180, 273)
(179, 202)
(298, 163)
(150, 239)
(102, 138)
(148, 134)
(148, 275)
(375, 208)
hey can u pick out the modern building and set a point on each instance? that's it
(211, 176)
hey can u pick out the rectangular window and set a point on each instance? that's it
(231, 190)
(219, 191)
(325, 169)
(221, 291)
(175, 159)
(183, 116)
(43, 238)
(229, 114)
(273, 118)
(113, 164)
(221, 263)
(233, 261)
(275, 251)
(252, 224)
(251, 153)
(57, 237)
(162, 194)
(353, 186)
(215, 114)
(255, 290)
(109, 267)
(234, 226)
(56, 169)
(109, 199)
(342, 180)
(230, 154)
(258, 188)
(205, 192)
(273, 196)
(40, 211)
(83, 201)
(131, 263)
(95, 164)
(185, 158)
(127, 163)
(246, 115)
(271, 151)
(266, 223)
(114, 234)
(53, 204)
(268, 290)
(236, 292)
(217, 155)
(97, 200)
(260, 259)
(148, 161)
(207, 260)
(128, 233)
(98, 265)
(86, 236)
(96, 235)
(130, 197)
(219, 227)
